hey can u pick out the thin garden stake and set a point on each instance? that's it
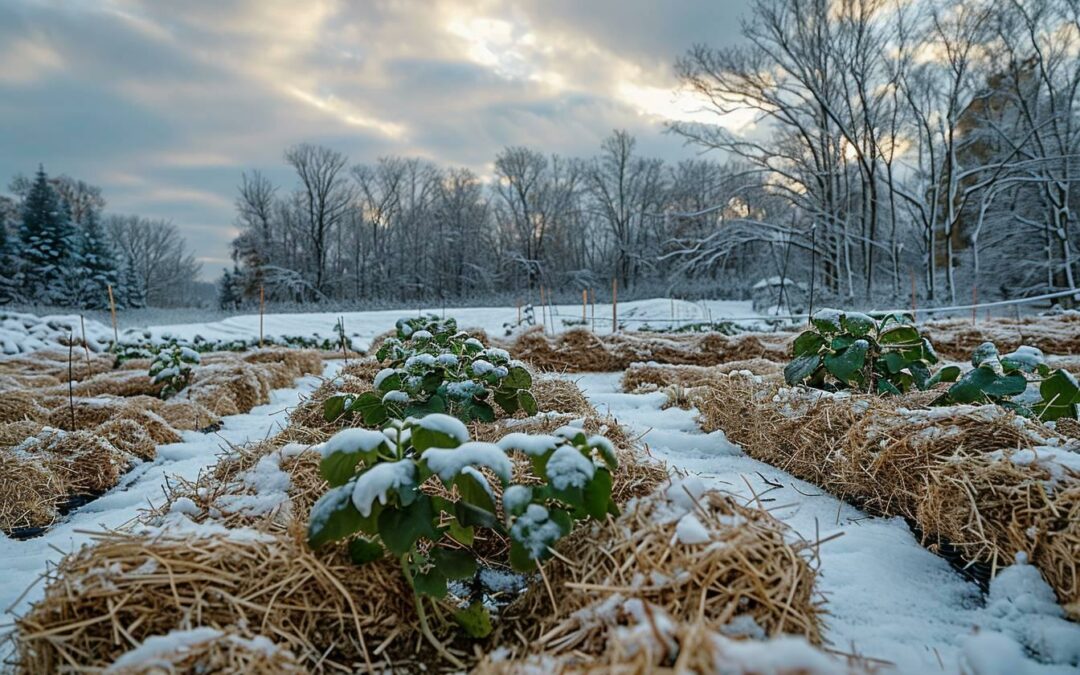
(914, 308)
(584, 307)
(543, 328)
(341, 336)
(262, 308)
(519, 311)
(614, 305)
(112, 308)
(86, 347)
(71, 384)
(592, 296)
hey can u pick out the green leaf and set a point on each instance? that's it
(363, 551)
(920, 374)
(390, 383)
(479, 410)
(454, 563)
(370, 407)
(422, 439)
(527, 402)
(432, 583)
(847, 365)
(460, 533)
(857, 323)
(808, 342)
(1006, 385)
(886, 387)
(827, 321)
(474, 619)
(970, 388)
(1060, 394)
(474, 492)
(507, 400)
(333, 516)
(520, 560)
(401, 528)
(517, 378)
(334, 407)
(470, 515)
(946, 374)
(983, 353)
(894, 362)
(338, 467)
(801, 368)
(900, 335)
(598, 494)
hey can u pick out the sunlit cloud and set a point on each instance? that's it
(343, 112)
(27, 60)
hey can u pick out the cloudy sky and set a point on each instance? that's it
(163, 104)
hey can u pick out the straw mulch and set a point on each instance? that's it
(93, 412)
(947, 470)
(651, 642)
(14, 433)
(644, 377)
(128, 436)
(31, 492)
(957, 338)
(107, 598)
(580, 350)
(747, 569)
(16, 406)
(86, 463)
(219, 653)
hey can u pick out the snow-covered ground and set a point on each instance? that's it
(362, 327)
(25, 561)
(887, 597)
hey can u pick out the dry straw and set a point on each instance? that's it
(750, 567)
(220, 653)
(947, 470)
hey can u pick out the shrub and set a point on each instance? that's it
(997, 379)
(419, 489)
(442, 372)
(171, 368)
(431, 323)
(883, 354)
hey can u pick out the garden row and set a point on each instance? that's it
(72, 424)
(983, 462)
(429, 512)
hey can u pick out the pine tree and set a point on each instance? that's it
(227, 297)
(130, 293)
(90, 267)
(45, 238)
(11, 279)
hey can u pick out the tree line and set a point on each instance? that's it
(58, 247)
(924, 148)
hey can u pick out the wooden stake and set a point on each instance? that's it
(614, 305)
(112, 308)
(584, 306)
(542, 327)
(71, 383)
(592, 296)
(262, 308)
(519, 311)
(86, 347)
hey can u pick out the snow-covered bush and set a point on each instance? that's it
(994, 378)
(172, 369)
(851, 350)
(431, 323)
(443, 372)
(420, 489)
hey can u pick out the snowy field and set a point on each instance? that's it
(20, 333)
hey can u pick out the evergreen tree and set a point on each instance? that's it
(228, 297)
(90, 267)
(45, 238)
(130, 293)
(11, 278)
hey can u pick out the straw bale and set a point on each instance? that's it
(1056, 334)
(1068, 427)
(554, 394)
(648, 641)
(87, 463)
(31, 492)
(580, 350)
(988, 510)
(749, 568)
(642, 377)
(93, 412)
(14, 433)
(216, 653)
(27, 381)
(114, 383)
(106, 598)
(297, 362)
(128, 436)
(16, 406)
(182, 413)
(248, 385)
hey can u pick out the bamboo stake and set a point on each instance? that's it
(112, 308)
(614, 305)
(974, 303)
(262, 308)
(71, 384)
(592, 295)
(584, 307)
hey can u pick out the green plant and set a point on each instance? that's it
(997, 379)
(431, 323)
(885, 354)
(419, 490)
(172, 369)
(443, 372)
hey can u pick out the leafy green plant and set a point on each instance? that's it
(443, 372)
(172, 369)
(996, 378)
(885, 354)
(431, 323)
(420, 489)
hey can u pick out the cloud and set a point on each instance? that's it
(164, 106)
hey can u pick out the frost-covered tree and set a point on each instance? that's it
(45, 241)
(91, 266)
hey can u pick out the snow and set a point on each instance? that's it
(567, 468)
(535, 531)
(21, 333)
(887, 596)
(447, 463)
(689, 530)
(382, 375)
(354, 440)
(395, 396)
(516, 497)
(24, 561)
(153, 650)
(377, 481)
(531, 444)
(444, 424)
(364, 327)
